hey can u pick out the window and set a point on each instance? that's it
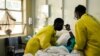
(11, 16)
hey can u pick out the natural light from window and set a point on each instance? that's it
(11, 16)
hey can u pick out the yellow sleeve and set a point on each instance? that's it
(80, 36)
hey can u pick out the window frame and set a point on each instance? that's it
(17, 23)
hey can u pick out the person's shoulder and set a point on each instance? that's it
(80, 22)
(86, 16)
(82, 19)
(49, 27)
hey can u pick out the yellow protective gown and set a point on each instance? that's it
(87, 31)
(41, 40)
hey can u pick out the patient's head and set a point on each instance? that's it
(67, 26)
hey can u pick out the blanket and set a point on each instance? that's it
(56, 51)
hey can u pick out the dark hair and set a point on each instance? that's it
(80, 9)
(58, 24)
(58, 20)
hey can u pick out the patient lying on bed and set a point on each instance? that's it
(67, 39)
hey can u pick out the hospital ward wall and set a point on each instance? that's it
(94, 8)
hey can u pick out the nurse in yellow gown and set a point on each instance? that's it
(87, 31)
(44, 38)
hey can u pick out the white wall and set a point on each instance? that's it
(38, 5)
(94, 8)
(55, 10)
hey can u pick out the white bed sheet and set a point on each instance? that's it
(56, 51)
